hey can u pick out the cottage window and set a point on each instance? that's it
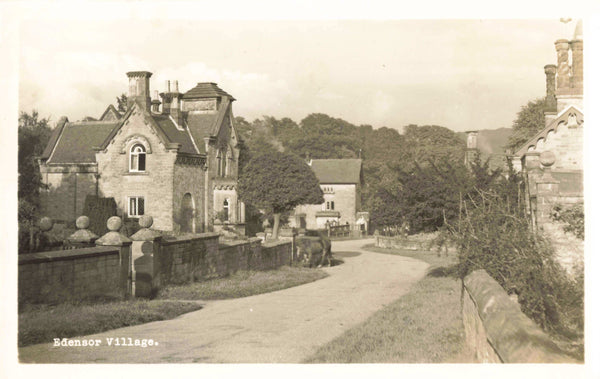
(137, 160)
(136, 206)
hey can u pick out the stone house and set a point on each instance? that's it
(175, 159)
(551, 162)
(340, 181)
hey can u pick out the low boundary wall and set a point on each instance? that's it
(497, 330)
(77, 274)
(65, 275)
(401, 243)
(203, 257)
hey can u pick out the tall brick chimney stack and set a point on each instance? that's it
(550, 70)
(175, 110)
(577, 58)
(563, 81)
(139, 88)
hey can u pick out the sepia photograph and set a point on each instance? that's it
(192, 189)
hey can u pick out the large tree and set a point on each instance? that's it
(34, 134)
(530, 120)
(278, 182)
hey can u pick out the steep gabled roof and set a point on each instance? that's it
(175, 135)
(149, 119)
(563, 116)
(206, 90)
(76, 141)
(203, 125)
(110, 114)
(337, 171)
(54, 137)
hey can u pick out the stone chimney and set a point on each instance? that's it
(577, 69)
(550, 71)
(563, 81)
(139, 88)
(166, 98)
(155, 103)
(471, 152)
(175, 110)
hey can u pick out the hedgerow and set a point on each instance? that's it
(493, 232)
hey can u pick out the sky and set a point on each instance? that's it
(462, 74)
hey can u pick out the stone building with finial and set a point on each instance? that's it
(174, 158)
(551, 162)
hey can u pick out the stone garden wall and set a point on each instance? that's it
(496, 329)
(202, 257)
(66, 275)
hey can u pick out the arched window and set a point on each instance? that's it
(226, 210)
(137, 158)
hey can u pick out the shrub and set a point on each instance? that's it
(492, 235)
(99, 209)
(573, 218)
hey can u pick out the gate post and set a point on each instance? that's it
(116, 239)
(144, 251)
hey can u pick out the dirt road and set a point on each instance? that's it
(282, 326)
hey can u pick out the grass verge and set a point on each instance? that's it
(423, 326)
(242, 283)
(42, 323)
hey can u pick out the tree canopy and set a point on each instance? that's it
(33, 135)
(529, 121)
(385, 152)
(278, 182)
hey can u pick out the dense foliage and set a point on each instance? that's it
(493, 232)
(99, 210)
(530, 120)
(33, 134)
(387, 155)
(278, 182)
(573, 218)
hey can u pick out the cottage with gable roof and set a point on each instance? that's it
(340, 181)
(177, 163)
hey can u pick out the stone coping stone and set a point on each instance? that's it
(228, 243)
(63, 255)
(271, 243)
(169, 240)
(515, 337)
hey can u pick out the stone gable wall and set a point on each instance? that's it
(188, 179)
(155, 184)
(59, 276)
(345, 198)
(567, 145)
(68, 185)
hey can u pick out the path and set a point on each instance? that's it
(282, 326)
